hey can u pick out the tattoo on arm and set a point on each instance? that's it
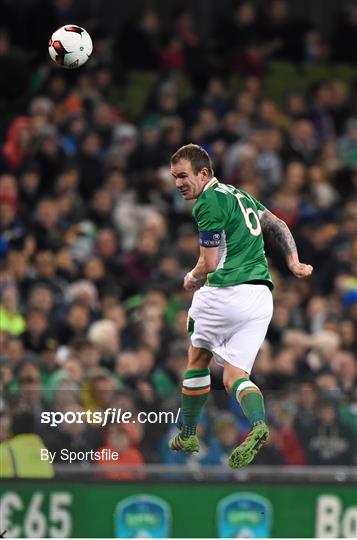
(278, 230)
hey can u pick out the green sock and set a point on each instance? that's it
(250, 399)
(195, 390)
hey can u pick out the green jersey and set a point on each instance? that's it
(229, 218)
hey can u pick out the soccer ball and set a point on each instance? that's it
(70, 46)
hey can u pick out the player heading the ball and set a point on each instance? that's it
(232, 305)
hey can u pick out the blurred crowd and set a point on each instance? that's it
(95, 239)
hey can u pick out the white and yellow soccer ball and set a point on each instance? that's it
(70, 46)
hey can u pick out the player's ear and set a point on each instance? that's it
(204, 172)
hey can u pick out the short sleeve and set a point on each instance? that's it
(209, 217)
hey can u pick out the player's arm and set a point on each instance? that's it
(207, 261)
(206, 264)
(210, 220)
(280, 233)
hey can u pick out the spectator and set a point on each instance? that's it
(329, 442)
(21, 454)
(76, 323)
(139, 36)
(70, 435)
(10, 318)
(45, 228)
(99, 390)
(104, 335)
(37, 335)
(122, 439)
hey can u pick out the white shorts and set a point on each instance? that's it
(231, 322)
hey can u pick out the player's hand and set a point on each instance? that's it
(301, 270)
(189, 284)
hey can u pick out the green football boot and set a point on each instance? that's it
(191, 444)
(246, 452)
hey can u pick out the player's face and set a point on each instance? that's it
(189, 184)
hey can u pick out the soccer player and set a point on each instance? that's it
(232, 306)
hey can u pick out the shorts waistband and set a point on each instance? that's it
(258, 282)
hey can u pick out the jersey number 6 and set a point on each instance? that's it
(254, 230)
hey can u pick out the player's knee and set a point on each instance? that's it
(198, 358)
(228, 383)
(230, 376)
(197, 363)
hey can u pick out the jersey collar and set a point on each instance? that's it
(210, 183)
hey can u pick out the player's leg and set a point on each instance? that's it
(248, 394)
(251, 400)
(195, 390)
(253, 305)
